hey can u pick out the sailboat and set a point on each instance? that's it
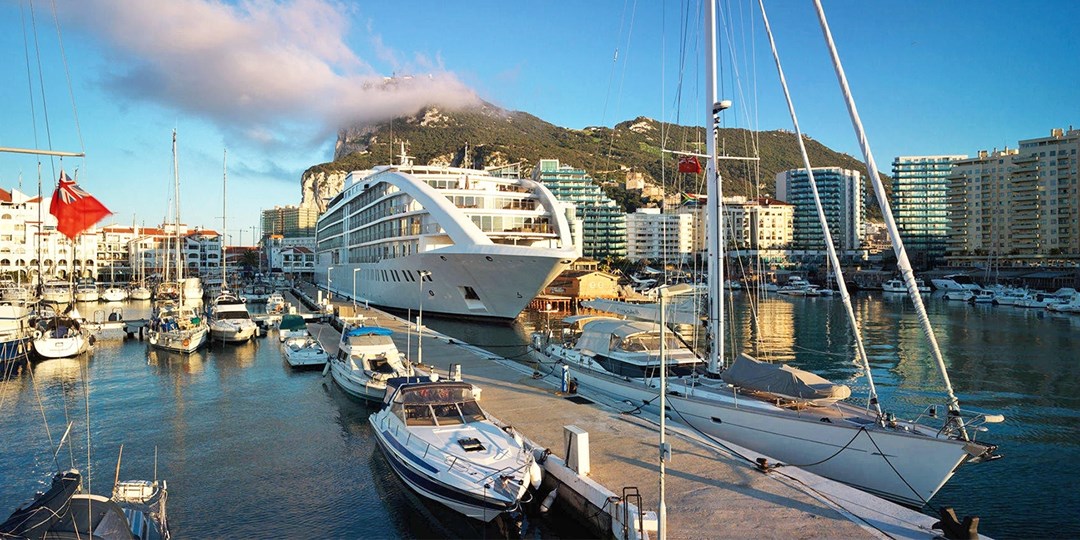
(176, 325)
(776, 412)
(229, 317)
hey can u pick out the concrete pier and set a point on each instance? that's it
(710, 493)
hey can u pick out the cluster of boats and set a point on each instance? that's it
(1063, 300)
(434, 433)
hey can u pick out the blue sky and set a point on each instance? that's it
(272, 81)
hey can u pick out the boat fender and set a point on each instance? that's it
(326, 369)
(91, 339)
(536, 475)
(545, 505)
(37, 334)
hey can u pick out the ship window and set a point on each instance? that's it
(418, 415)
(470, 294)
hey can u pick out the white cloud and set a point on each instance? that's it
(258, 68)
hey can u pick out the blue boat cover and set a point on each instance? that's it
(369, 331)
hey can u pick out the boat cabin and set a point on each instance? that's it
(436, 404)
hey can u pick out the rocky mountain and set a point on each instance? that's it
(494, 136)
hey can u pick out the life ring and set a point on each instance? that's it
(187, 342)
(37, 334)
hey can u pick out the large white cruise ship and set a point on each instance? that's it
(453, 241)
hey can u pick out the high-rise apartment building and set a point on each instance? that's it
(290, 221)
(841, 193)
(651, 235)
(920, 204)
(1017, 204)
(603, 222)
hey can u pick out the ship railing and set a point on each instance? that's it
(452, 461)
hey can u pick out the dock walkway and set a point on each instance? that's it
(709, 492)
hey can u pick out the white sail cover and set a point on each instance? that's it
(783, 380)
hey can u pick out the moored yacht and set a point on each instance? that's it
(366, 359)
(230, 320)
(955, 282)
(443, 445)
(451, 240)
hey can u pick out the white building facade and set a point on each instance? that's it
(655, 236)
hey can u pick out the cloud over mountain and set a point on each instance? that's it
(272, 72)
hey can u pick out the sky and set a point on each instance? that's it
(271, 82)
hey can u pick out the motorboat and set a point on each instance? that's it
(366, 358)
(897, 286)
(455, 241)
(291, 325)
(958, 295)
(982, 296)
(16, 333)
(304, 351)
(57, 292)
(229, 319)
(954, 282)
(176, 327)
(58, 335)
(86, 291)
(445, 448)
(795, 286)
(135, 511)
(275, 303)
(258, 292)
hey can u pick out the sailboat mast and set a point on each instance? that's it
(714, 232)
(894, 233)
(176, 225)
(224, 194)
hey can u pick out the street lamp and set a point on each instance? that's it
(328, 295)
(420, 319)
(355, 270)
(665, 450)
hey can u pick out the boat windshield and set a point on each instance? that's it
(646, 342)
(443, 405)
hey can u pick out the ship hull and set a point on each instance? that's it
(495, 282)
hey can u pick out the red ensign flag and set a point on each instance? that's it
(689, 164)
(75, 209)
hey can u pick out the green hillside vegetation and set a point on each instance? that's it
(498, 137)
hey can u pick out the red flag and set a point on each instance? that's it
(75, 209)
(689, 164)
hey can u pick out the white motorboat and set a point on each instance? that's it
(445, 448)
(304, 351)
(958, 295)
(86, 291)
(16, 333)
(897, 286)
(450, 240)
(229, 319)
(275, 303)
(177, 328)
(258, 292)
(57, 292)
(366, 359)
(1072, 305)
(795, 286)
(61, 335)
(983, 296)
(955, 282)
(773, 411)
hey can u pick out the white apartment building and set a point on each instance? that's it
(293, 256)
(759, 227)
(659, 237)
(1019, 205)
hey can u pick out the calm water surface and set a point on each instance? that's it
(251, 448)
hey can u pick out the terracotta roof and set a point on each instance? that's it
(5, 195)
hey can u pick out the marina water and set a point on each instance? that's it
(251, 448)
